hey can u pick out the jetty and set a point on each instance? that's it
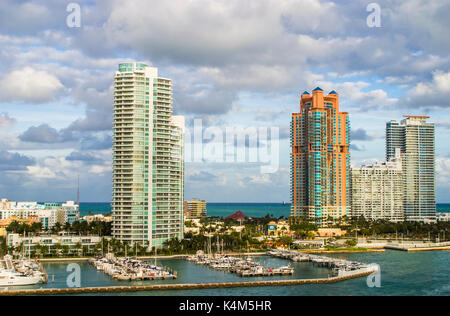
(415, 247)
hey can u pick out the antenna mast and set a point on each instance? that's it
(78, 191)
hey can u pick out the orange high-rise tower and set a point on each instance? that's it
(320, 159)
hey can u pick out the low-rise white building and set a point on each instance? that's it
(443, 217)
(97, 218)
(51, 241)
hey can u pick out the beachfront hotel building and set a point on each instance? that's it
(148, 158)
(320, 159)
(378, 190)
(415, 137)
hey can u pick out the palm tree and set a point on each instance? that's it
(79, 248)
(57, 249)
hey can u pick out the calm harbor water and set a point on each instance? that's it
(403, 273)
(226, 209)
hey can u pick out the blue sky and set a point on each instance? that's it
(232, 62)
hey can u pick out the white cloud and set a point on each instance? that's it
(6, 120)
(440, 84)
(434, 93)
(29, 85)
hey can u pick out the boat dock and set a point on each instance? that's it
(198, 286)
(338, 266)
(127, 269)
(244, 267)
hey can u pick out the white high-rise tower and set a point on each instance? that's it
(148, 161)
(415, 137)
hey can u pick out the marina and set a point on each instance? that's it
(244, 267)
(173, 287)
(128, 269)
(398, 270)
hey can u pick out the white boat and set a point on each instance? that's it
(8, 278)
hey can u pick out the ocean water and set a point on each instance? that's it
(226, 209)
(402, 273)
(443, 208)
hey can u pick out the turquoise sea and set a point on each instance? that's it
(226, 209)
(402, 273)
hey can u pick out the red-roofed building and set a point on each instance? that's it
(238, 216)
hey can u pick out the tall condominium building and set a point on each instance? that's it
(414, 136)
(195, 208)
(377, 191)
(148, 162)
(320, 159)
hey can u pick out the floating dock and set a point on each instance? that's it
(338, 266)
(127, 269)
(240, 266)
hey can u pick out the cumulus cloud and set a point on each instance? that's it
(84, 139)
(83, 156)
(204, 101)
(43, 134)
(361, 135)
(435, 93)
(14, 161)
(442, 176)
(357, 147)
(29, 85)
(6, 120)
(202, 176)
(218, 54)
(24, 17)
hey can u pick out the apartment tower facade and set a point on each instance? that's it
(320, 159)
(377, 191)
(148, 158)
(415, 137)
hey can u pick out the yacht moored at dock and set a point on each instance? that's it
(244, 267)
(128, 269)
(338, 266)
(20, 272)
